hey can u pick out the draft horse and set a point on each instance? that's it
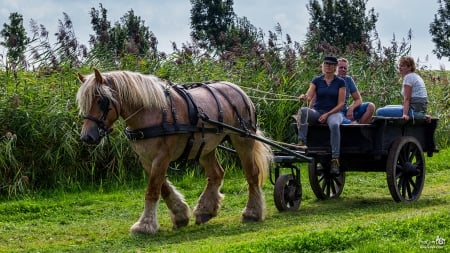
(167, 122)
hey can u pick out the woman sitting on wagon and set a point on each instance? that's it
(414, 92)
(328, 93)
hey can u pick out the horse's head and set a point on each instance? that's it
(96, 101)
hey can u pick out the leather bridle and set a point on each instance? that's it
(104, 103)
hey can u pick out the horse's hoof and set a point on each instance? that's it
(202, 218)
(246, 218)
(181, 223)
(142, 228)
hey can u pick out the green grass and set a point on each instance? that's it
(363, 219)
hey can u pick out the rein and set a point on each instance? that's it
(277, 95)
(133, 114)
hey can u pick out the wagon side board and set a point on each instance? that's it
(365, 147)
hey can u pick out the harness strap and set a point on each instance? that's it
(172, 109)
(243, 95)
(219, 106)
(192, 107)
(239, 116)
(187, 149)
(202, 145)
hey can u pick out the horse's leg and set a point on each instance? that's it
(148, 222)
(209, 202)
(254, 210)
(179, 209)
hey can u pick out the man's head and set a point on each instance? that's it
(342, 67)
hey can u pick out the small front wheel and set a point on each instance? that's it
(287, 193)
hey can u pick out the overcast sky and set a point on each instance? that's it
(169, 19)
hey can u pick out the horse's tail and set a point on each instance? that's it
(263, 158)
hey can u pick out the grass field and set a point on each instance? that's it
(363, 219)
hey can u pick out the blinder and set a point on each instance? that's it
(104, 105)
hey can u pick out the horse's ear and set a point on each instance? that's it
(81, 77)
(98, 76)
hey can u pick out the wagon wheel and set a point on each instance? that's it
(405, 169)
(287, 193)
(324, 184)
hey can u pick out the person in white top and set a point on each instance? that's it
(414, 92)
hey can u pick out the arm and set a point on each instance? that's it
(313, 100)
(310, 95)
(357, 101)
(406, 101)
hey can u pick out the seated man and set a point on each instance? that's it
(358, 111)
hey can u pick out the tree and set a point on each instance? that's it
(15, 40)
(139, 39)
(210, 22)
(440, 30)
(68, 49)
(129, 36)
(340, 23)
(100, 25)
(41, 50)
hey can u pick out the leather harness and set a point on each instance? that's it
(170, 128)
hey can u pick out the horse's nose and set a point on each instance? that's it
(90, 139)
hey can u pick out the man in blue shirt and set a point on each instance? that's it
(358, 111)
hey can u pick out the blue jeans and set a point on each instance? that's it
(308, 115)
(357, 113)
(396, 111)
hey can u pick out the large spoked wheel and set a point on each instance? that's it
(405, 169)
(324, 184)
(287, 193)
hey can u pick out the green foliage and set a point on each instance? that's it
(210, 21)
(340, 23)
(40, 125)
(68, 50)
(15, 40)
(439, 30)
(130, 36)
(39, 109)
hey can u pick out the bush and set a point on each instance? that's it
(40, 125)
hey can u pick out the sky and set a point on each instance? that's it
(169, 20)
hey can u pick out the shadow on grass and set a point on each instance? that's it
(192, 233)
(361, 205)
(328, 212)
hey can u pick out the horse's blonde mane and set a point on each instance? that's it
(125, 88)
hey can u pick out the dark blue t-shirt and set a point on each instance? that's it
(326, 95)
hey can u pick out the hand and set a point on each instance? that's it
(303, 97)
(405, 117)
(350, 115)
(323, 118)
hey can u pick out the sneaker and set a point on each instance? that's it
(346, 121)
(301, 144)
(334, 166)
